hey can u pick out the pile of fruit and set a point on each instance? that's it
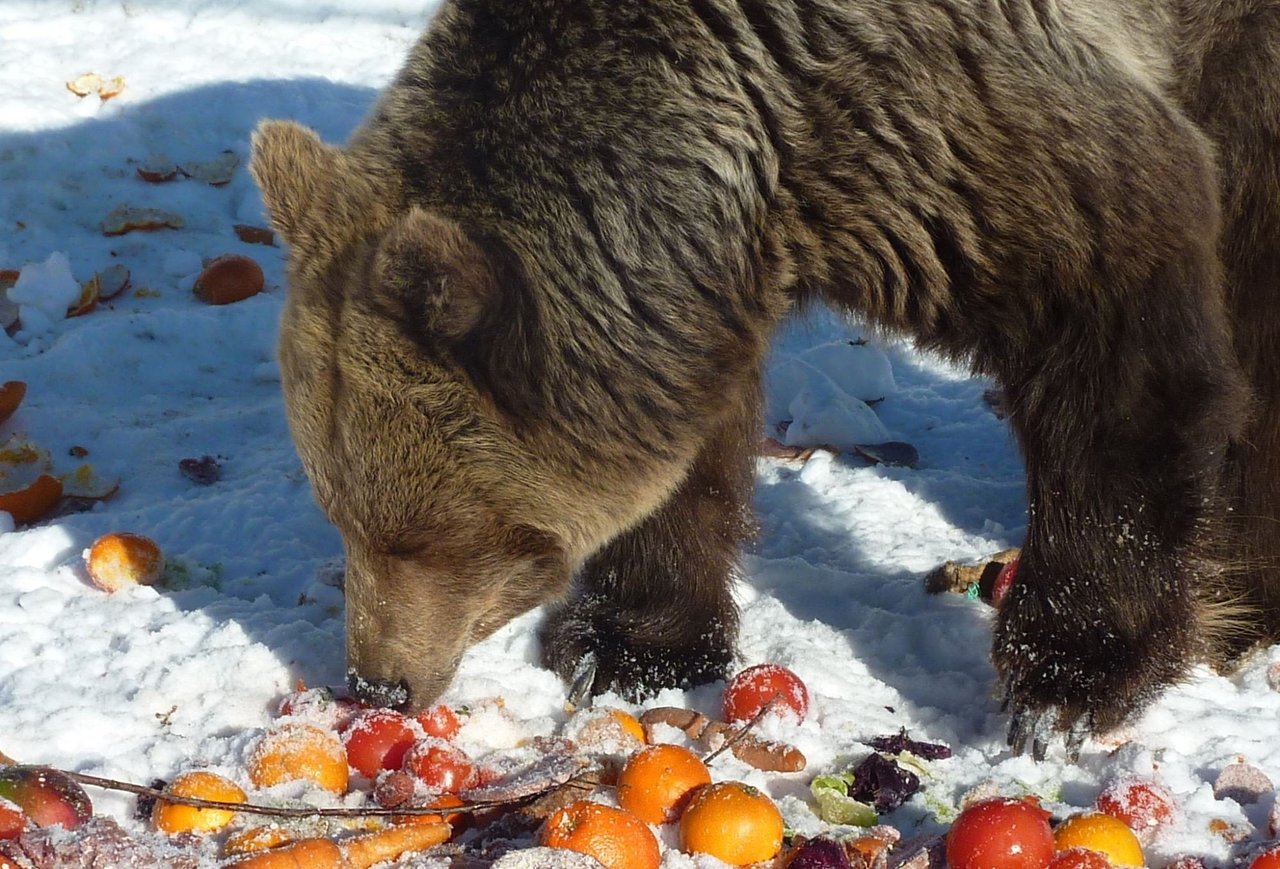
(610, 786)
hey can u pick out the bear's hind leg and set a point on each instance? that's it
(654, 606)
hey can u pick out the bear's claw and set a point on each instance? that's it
(1042, 726)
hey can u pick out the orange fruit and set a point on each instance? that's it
(11, 395)
(204, 785)
(444, 801)
(296, 752)
(32, 501)
(733, 822)
(616, 838)
(656, 782)
(253, 839)
(121, 559)
(630, 723)
(1109, 836)
(227, 279)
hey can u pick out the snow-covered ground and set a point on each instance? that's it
(148, 682)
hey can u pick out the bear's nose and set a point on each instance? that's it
(375, 692)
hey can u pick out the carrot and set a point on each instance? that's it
(367, 850)
(303, 854)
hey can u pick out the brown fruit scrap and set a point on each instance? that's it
(126, 218)
(710, 734)
(228, 279)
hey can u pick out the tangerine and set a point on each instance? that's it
(630, 724)
(201, 784)
(614, 837)
(733, 822)
(656, 782)
(1109, 836)
(299, 751)
(122, 559)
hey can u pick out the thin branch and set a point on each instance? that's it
(285, 812)
(741, 733)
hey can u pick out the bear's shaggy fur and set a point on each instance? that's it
(530, 299)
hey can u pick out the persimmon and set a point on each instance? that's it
(122, 559)
(614, 837)
(656, 781)
(732, 822)
(201, 784)
(299, 752)
(1109, 836)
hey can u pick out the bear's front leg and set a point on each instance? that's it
(1125, 424)
(654, 609)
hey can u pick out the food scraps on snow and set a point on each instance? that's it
(91, 83)
(228, 278)
(127, 218)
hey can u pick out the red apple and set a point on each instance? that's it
(46, 796)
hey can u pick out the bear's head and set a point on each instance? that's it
(443, 506)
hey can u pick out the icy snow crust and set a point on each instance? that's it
(149, 682)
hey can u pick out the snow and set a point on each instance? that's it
(149, 682)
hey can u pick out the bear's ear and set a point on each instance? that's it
(316, 198)
(431, 274)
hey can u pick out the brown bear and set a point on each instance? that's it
(530, 299)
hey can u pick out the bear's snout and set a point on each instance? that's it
(375, 692)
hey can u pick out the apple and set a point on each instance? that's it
(46, 796)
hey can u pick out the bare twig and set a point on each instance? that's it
(281, 811)
(742, 732)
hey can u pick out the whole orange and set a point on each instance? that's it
(1109, 836)
(122, 559)
(616, 838)
(656, 781)
(299, 751)
(204, 785)
(733, 822)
